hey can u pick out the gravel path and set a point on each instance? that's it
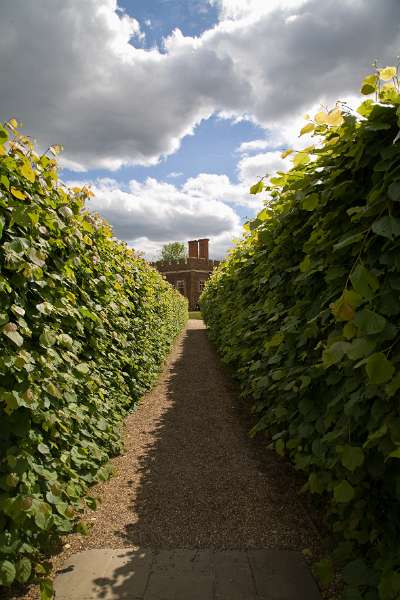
(190, 476)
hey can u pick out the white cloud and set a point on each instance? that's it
(252, 168)
(239, 9)
(253, 146)
(74, 76)
(152, 213)
(175, 174)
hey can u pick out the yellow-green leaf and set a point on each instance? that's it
(379, 368)
(286, 153)
(17, 193)
(309, 128)
(334, 118)
(27, 172)
(369, 85)
(387, 73)
(257, 187)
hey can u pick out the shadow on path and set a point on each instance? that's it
(202, 484)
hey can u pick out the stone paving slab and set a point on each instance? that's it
(181, 574)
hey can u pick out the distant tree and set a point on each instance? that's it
(173, 252)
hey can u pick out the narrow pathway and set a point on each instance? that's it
(192, 489)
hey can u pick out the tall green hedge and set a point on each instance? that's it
(84, 327)
(306, 309)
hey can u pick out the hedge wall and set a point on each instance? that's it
(306, 310)
(85, 325)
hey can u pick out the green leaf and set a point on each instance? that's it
(364, 282)
(379, 368)
(309, 128)
(3, 135)
(301, 158)
(45, 308)
(387, 73)
(7, 572)
(42, 513)
(369, 85)
(46, 589)
(359, 348)
(395, 454)
(257, 187)
(343, 492)
(323, 570)
(23, 570)
(369, 321)
(334, 353)
(10, 330)
(43, 449)
(305, 264)
(310, 202)
(393, 386)
(348, 241)
(356, 573)
(394, 191)
(388, 227)
(264, 215)
(352, 457)
(2, 223)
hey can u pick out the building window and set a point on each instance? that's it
(180, 286)
(201, 286)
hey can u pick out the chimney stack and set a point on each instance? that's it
(203, 248)
(193, 249)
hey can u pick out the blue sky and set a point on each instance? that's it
(158, 18)
(171, 109)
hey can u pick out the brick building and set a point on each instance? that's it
(189, 274)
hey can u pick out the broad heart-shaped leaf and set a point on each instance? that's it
(323, 570)
(364, 282)
(23, 570)
(388, 227)
(310, 202)
(82, 368)
(7, 572)
(334, 353)
(46, 589)
(343, 491)
(352, 457)
(387, 73)
(369, 321)
(42, 513)
(356, 573)
(301, 158)
(359, 348)
(14, 336)
(369, 84)
(379, 368)
(27, 172)
(334, 118)
(394, 191)
(257, 187)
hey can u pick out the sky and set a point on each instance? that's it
(171, 109)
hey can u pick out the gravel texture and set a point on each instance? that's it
(190, 476)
